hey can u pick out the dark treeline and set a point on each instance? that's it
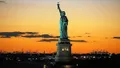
(96, 59)
(21, 56)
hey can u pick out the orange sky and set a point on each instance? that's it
(100, 18)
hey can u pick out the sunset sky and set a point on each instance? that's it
(29, 24)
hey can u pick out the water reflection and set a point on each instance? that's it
(59, 66)
(67, 66)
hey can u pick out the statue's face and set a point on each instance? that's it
(63, 13)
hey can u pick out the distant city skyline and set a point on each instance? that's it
(96, 21)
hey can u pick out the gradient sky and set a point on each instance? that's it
(99, 19)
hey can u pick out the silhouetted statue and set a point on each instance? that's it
(63, 23)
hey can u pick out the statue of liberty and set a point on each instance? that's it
(63, 23)
(63, 46)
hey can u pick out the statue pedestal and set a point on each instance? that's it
(63, 51)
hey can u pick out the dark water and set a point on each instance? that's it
(81, 64)
(30, 65)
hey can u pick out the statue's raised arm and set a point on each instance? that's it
(63, 23)
(58, 5)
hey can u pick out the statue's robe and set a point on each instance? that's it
(63, 27)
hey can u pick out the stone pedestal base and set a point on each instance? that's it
(63, 51)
